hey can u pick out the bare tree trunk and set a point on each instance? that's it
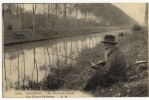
(10, 17)
(51, 15)
(22, 15)
(65, 10)
(90, 23)
(81, 20)
(56, 13)
(70, 12)
(49, 19)
(3, 16)
(85, 21)
(34, 12)
(44, 18)
(17, 16)
(65, 14)
(76, 17)
(92, 18)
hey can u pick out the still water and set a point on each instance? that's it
(24, 60)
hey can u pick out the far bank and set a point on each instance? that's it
(25, 36)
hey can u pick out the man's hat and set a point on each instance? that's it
(109, 39)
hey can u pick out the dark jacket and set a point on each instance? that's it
(115, 65)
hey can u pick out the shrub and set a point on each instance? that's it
(136, 28)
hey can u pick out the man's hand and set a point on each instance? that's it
(94, 66)
(101, 63)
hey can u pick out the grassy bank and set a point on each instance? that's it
(24, 36)
(74, 77)
(135, 47)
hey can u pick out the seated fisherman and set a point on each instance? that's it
(113, 68)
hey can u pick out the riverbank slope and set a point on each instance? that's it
(135, 48)
(25, 36)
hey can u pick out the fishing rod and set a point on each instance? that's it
(88, 60)
(137, 63)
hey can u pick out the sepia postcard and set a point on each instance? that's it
(74, 50)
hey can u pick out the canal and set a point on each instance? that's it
(24, 61)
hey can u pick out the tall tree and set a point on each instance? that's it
(3, 18)
(22, 15)
(70, 13)
(34, 12)
(10, 17)
(56, 14)
(76, 17)
(65, 10)
(49, 16)
(65, 14)
(44, 16)
(52, 15)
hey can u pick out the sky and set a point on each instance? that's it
(134, 10)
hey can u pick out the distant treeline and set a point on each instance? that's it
(63, 15)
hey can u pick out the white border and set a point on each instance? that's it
(74, 1)
(62, 1)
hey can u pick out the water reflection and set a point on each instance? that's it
(34, 60)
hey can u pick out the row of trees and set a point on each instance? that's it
(47, 16)
(57, 15)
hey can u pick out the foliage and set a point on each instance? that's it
(113, 15)
(136, 28)
(16, 17)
